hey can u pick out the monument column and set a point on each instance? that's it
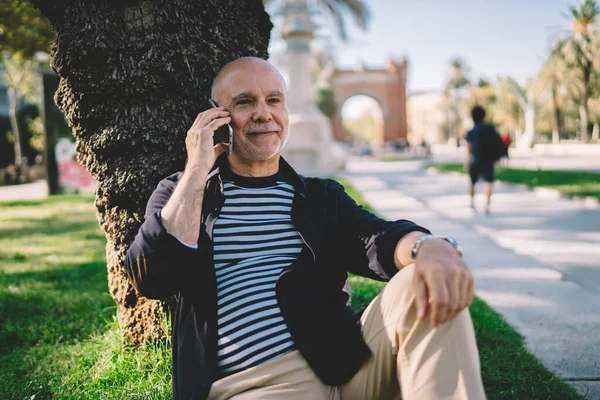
(311, 148)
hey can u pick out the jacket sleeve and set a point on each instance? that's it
(366, 242)
(156, 260)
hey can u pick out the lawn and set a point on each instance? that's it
(59, 338)
(569, 183)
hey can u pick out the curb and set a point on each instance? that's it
(587, 202)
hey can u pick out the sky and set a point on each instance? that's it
(493, 37)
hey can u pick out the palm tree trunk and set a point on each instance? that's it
(13, 103)
(583, 107)
(555, 117)
(134, 75)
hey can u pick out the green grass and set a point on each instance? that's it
(58, 335)
(569, 183)
(59, 338)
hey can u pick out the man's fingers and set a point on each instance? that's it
(456, 295)
(466, 290)
(205, 117)
(421, 298)
(219, 149)
(217, 123)
(471, 290)
(438, 301)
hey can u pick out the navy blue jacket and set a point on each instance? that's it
(339, 237)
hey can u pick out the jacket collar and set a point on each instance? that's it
(291, 176)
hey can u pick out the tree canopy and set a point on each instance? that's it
(23, 29)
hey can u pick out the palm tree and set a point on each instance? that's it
(509, 107)
(578, 51)
(458, 78)
(134, 75)
(551, 76)
(339, 10)
(457, 83)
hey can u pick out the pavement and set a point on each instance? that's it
(28, 191)
(535, 258)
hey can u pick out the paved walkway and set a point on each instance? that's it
(529, 160)
(536, 260)
(28, 191)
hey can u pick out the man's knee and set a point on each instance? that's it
(398, 294)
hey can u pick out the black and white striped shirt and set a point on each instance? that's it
(254, 239)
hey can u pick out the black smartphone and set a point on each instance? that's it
(224, 133)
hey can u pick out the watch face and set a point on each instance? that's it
(452, 241)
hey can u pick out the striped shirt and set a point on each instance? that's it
(254, 239)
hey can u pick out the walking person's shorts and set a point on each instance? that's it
(485, 170)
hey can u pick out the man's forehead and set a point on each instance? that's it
(249, 76)
(254, 75)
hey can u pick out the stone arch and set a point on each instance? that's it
(387, 86)
(382, 107)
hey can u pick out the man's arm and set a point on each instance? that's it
(469, 155)
(182, 214)
(402, 253)
(368, 243)
(158, 259)
(376, 248)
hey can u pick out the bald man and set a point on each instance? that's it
(257, 257)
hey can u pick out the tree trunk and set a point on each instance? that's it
(583, 107)
(13, 104)
(134, 75)
(596, 132)
(555, 117)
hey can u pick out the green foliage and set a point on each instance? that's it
(23, 29)
(357, 9)
(587, 10)
(459, 71)
(19, 73)
(326, 102)
(338, 10)
(36, 127)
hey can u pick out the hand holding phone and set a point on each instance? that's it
(223, 134)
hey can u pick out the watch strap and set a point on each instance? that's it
(419, 242)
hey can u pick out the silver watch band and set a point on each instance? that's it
(449, 239)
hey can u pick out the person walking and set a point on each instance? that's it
(485, 148)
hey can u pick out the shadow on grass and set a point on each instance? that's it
(63, 198)
(25, 227)
(51, 306)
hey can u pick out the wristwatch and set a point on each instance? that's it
(449, 239)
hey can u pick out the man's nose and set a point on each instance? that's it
(262, 112)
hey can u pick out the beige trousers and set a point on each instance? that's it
(411, 360)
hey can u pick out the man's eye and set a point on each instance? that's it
(245, 101)
(274, 101)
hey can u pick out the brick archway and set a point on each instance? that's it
(386, 86)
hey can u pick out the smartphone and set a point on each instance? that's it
(224, 133)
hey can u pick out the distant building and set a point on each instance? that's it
(425, 116)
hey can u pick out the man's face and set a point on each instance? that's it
(254, 95)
